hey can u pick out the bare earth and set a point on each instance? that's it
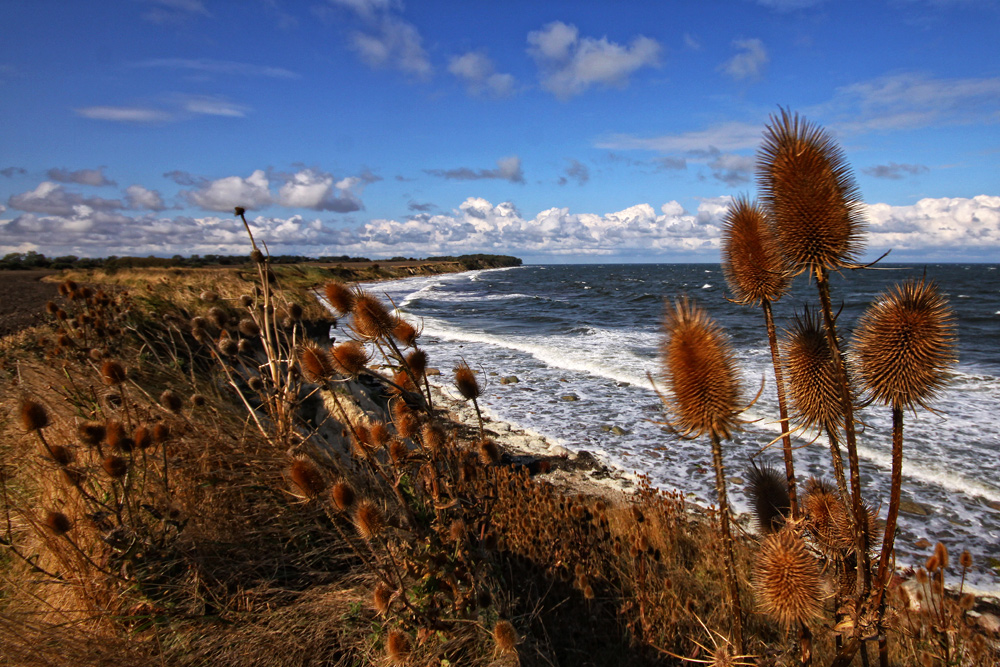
(22, 299)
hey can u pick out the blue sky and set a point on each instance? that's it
(557, 131)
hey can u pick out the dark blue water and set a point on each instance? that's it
(594, 331)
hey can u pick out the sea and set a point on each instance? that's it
(583, 342)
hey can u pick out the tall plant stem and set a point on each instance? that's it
(861, 527)
(727, 538)
(786, 437)
(889, 538)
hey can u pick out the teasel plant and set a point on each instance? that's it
(702, 398)
(754, 271)
(817, 219)
(903, 348)
(468, 386)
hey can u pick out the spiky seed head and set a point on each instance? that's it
(417, 361)
(813, 203)
(489, 452)
(397, 647)
(255, 383)
(90, 433)
(295, 312)
(350, 358)
(768, 492)
(342, 495)
(246, 300)
(751, 261)
(904, 345)
(112, 372)
(811, 373)
(208, 296)
(826, 516)
(700, 371)
(34, 416)
(307, 478)
(433, 437)
(368, 519)
(244, 346)
(218, 316)
(340, 298)
(171, 401)
(941, 551)
(466, 382)
(505, 636)
(457, 530)
(116, 437)
(398, 451)
(257, 257)
(114, 466)
(62, 456)
(372, 320)
(58, 523)
(161, 433)
(382, 598)
(228, 346)
(405, 333)
(407, 425)
(787, 580)
(378, 434)
(316, 363)
(197, 400)
(239, 211)
(965, 560)
(142, 437)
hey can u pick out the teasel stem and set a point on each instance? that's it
(786, 437)
(409, 373)
(861, 527)
(727, 537)
(805, 645)
(838, 465)
(897, 481)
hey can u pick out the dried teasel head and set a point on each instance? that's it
(316, 363)
(811, 373)
(161, 433)
(228, 346)
(342, 495)
(432, 436)
(505, 636)
(700, 371)
(116, 437)
(398, 451)
(62, 456)
(382, 598)
(372, 320)
(112, 372)
(466, 382)
(58, 522)
(826, 516)
(248, 327)
(417, 362)
(813, 203)
(368, 519)
(340, 297)
(34, 416)
(171, 401)
(90, 433)
(307, 478)
(787, 580)
(751, 261)
(218, 316)
(350, 358)
(115, 466)
(904, 345)
(489, 452)
(767, 489)
(143, 437)
(397, 647)
(405, 333)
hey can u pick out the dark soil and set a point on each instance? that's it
(22, 299)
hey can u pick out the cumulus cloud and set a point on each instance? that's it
(224, 194)
(208, 66)
(508, 169)
(569, 65)
(948, 224)
(385, 40)
(93, 177)
(749, 63)
(320, 191)
(731, 169)
(893, 171)
(576, 171)
(139, 197)
(140, 115)
(479, 74)
(51, 198)
(11, 172)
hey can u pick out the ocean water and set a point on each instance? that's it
(594, 331)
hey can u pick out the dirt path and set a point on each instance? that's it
(22, 299)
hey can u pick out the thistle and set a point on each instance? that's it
(397, 646)
(340, 297)
(316, 363)
(368, 519)
(505, 637)
(372, 320)
(752, 265)
(768, 493)
(903, 348)
(469, 388)
(342, 495)
(700, 371)
(350, 358)
(307, 478)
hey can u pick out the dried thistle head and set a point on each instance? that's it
(112, 372)
(398, 451)
(466, 382)
(116, 437)
(505, 636)
(826, 516)
(342, 495)
(248, 327)
(700, 371)
(115, 466)
(397, 647)
(417, 362)
(810, 195)
(228, 346)
(171, 401)
(350, 358)
(904, 345)
(787, 580)
(90, 433)
(432, 436)
(340, 297)
(382, 598)
(368, 519)
(143, 437)
(34, 416)
(316, 363)
(307, 478)
(218, 316)
(405, 333)
(811, 373)
(768, 492)
(62, 456)
(489, 452)
(58, 522)
(161, 433)
(372, 320)
(751, 261)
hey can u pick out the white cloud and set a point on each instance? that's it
(93, 177)
(125, 114)
(139, 197)
(225, 194)
(724, 137)
(225, 67)
(386, 40)
(317, 190)
(508, 169)
(569, 64)
(211, 105)
(480, 75)
(894, 171)
(749, 63)
(51, 198)
(946, 224)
